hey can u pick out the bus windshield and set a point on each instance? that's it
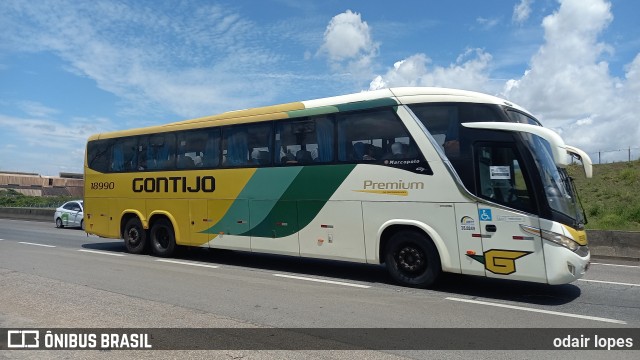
(558, 187)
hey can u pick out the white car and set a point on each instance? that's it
(70, 213)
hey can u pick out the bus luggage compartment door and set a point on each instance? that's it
(274, 227)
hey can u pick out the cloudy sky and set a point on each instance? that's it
(69, 69)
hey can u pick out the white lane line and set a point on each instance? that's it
(609, 282)
(1, 239)
(187, 263)
(629, 266)
(28, 243)
(101, 252)
(538, 310)
(323, 281)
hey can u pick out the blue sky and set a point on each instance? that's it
(69, 69)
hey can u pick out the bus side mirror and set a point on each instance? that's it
(584, 158)
(555, 142)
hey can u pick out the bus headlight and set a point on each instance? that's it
(553, 237)
(560, 240)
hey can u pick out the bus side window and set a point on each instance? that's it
(98, 152)
(373, 136)
(247, 145)
(157, 150)
(124, 157)
(211, 155)
(260, 146)
(442, 121)
(198, 148)
(304, 141)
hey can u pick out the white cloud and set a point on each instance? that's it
(47, 145)
(140, 54)
(347, 37)
(487, 23)
(348, 44)
(522, 11)
(568, 85)
(36, 109)
(568, 81)
(469, 72)
(632, 83)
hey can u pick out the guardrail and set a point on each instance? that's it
(603, 243)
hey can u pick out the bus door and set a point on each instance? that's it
(508, 251)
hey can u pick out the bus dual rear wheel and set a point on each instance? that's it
(135, 237)
(163, 240)
(412, 259)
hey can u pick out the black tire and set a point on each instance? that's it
(135, 237)
(163, 239)
(59, 223)
(412, 259)
(82, 224)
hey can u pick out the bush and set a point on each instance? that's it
(12, 198)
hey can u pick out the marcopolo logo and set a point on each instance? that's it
(174, 184)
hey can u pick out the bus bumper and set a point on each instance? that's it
(563, 265)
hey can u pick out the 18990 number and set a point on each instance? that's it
(103, 185)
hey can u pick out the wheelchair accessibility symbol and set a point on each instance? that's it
(485, 214)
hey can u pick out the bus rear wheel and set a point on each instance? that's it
(135, 237)
(412, 259)
(163, 240)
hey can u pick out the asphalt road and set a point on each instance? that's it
(62, 278)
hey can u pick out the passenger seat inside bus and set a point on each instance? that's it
(304, 157)
(263, 158)
(185, 162)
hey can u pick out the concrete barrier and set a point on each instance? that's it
(622, 244)
(619, 244)
(33, 214)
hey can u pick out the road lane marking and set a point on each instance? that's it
(101, 252)
(629, 266)
(609, 282)
(586, 317)
(187, 263)
(34, 244)
(323, 281)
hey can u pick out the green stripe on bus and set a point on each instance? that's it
(268, 183)
(313, 111)
(302, 201)
(367, 104)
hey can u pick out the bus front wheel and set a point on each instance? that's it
(412, 259)
(163, 241)
(135, 237)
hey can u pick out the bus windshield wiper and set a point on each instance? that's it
(584, 214)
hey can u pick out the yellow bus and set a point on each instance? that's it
(424, 180)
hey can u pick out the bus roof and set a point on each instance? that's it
(361, 100)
